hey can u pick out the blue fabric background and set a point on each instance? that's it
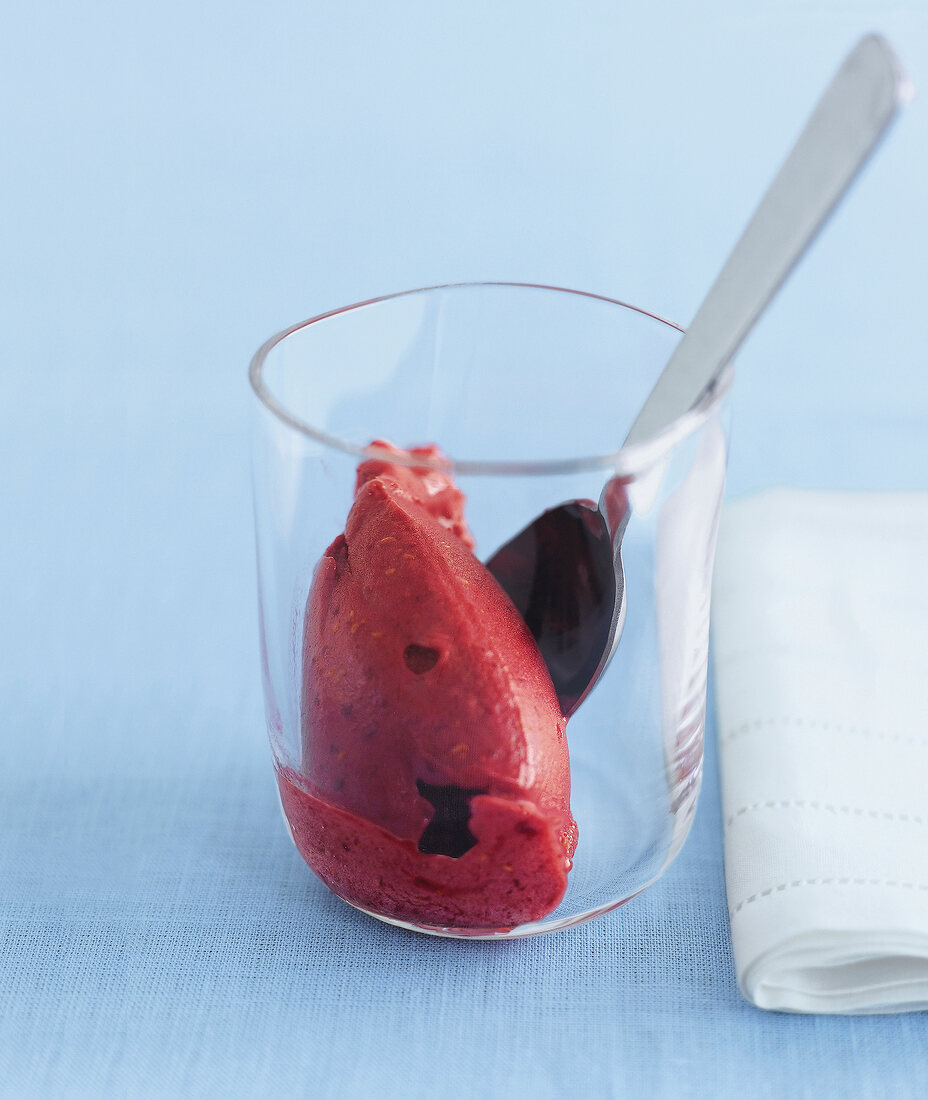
(179, 182)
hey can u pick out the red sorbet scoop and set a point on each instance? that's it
(434, 786)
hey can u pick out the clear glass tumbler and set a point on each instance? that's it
(528, 392)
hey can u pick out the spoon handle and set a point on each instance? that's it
(849, 119)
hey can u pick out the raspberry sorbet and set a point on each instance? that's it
(434, 784)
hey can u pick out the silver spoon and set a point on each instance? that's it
(564, 571)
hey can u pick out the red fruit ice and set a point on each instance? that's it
(434, 785)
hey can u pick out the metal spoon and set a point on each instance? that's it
(564, 571)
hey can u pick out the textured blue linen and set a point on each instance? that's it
(182, 180)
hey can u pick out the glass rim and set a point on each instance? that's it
(626, 461)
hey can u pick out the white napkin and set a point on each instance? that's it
(820, 649)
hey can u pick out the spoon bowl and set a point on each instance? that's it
(565, 576)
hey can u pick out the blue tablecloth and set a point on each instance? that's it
(179, 182)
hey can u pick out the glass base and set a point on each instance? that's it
(534, 928)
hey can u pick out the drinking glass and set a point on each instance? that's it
(528, 391)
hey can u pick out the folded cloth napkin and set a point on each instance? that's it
(820, 650)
